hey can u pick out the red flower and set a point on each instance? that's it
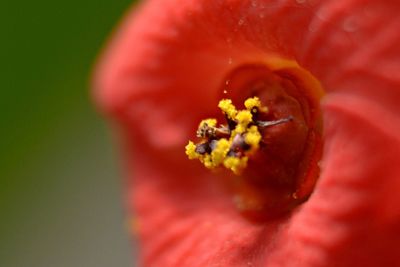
(161, 75)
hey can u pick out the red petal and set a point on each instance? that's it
(160, 75)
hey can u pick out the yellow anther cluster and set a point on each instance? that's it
(236, 165)
(206, 127)
(223, 149)
(208, 122)
(253, 102)
(253, 137)
(218, 155)
(206, 160)
(228, 108)
(191, 151)
(243, 119)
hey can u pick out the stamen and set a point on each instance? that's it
(191, 151)
(231, 144)
(228, 108)
(254, 104)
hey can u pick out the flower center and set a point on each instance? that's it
(273, 145)
(232, 144)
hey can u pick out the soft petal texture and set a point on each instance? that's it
(160, 75)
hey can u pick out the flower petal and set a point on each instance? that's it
(161, 74)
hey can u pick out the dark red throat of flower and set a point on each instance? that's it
(272, 146)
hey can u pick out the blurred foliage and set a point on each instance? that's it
(59, 190)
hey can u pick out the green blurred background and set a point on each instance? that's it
(60, 192)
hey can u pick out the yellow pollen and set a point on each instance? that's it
(243, 119)
(208, 122)
(206, 160)
(252, 103)
(222, 141)
(221, 150)
(228, 108)
(191, 151)
(236, 165)
(206, 127)
(253, 137)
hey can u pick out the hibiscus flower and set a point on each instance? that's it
(161, 75)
